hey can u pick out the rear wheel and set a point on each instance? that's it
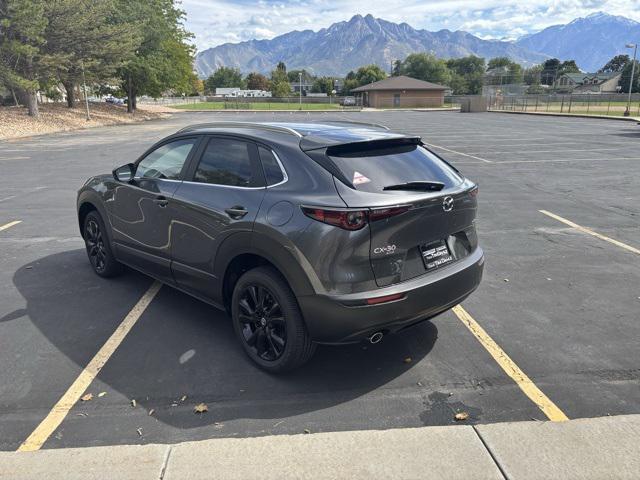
(268, 322)
(98, 248)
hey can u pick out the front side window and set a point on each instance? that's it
(166, 162)
(226, 161)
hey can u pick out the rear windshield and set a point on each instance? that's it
(372, 170)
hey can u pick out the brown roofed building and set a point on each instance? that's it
(401, 91)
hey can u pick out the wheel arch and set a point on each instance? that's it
(241, 252)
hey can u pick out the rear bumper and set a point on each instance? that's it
(333, 319)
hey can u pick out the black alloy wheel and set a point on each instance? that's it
(263, 326)
(268, 322)
(95, 245)
(99, 251)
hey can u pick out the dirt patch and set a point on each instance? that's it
(14, 121)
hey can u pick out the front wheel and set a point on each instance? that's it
(98, 249)
(268, 322)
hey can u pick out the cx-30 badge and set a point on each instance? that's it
(447, 204)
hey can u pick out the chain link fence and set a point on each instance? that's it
(613, 104)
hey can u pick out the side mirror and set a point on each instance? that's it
(124, 173)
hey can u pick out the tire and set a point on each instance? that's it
(98, 248)
(268, 322)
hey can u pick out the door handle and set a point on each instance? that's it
(161, 201)
(236, 212)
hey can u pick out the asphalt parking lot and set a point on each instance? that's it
(562, 303)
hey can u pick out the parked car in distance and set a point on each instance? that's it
(348, 101)
(305, 233)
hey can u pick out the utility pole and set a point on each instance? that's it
(300, 92)
(627, 112)
(84, 85)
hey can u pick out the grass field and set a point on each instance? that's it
(258, 106)
(613, 109)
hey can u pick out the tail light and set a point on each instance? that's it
(474, 191)
(350, 219)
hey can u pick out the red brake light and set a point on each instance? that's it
(352, 219)
(382, 213)
(347, 219)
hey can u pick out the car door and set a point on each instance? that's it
(140, 215)
(221, 194)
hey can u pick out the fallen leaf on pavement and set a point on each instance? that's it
(306, 430)
(102, 394)
(87, 397)
(407, 360)
(151, 412)
(461, 416)
(133, 402)
(139, 430)
(201, 408)
(184, 397)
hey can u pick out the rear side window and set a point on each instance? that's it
(371, 170)
(272, 170)
(226, 161)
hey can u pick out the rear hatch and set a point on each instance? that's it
(422, 211)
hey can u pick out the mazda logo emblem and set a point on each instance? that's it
(447, 204)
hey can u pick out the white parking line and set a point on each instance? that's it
(588, 231)
(10, 224)
(458, 153)
(60, 410)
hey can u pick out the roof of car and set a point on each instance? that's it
(311, 136)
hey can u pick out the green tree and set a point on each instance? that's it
(24, 63)
(369, 74)
(85, 40)
(626, 76)
(279, 84)
(163, 60)
(467, 75)
(616, 64)
(323, 85)
(513, 71)
(550, 71)
(569, 66)
(427, 67)
(257, 81)
(224, 77)
(532, 75)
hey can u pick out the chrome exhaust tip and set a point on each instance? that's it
(376, 337)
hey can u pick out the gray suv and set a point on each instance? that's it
(304, 233)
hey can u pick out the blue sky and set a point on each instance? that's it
(217, 21)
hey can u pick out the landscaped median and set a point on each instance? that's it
(594, 448)
(56, 117)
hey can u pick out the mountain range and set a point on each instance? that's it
(347, 45)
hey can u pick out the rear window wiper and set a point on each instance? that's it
(420, 185)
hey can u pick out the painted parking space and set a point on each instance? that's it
(541, 302)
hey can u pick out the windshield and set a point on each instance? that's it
(372, 170)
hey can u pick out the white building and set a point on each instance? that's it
(238, 92)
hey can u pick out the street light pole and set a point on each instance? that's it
(627, 112)
(300, 90)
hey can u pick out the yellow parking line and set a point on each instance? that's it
(590, 232)
(529, 388)
(10, 224)
(72, 395)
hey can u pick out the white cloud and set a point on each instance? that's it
(219, 21)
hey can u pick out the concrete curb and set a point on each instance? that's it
(570, 115)
(592, 448)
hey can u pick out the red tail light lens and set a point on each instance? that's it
(352, 219)
(382, 213)
(347, 219)
(385, 299)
